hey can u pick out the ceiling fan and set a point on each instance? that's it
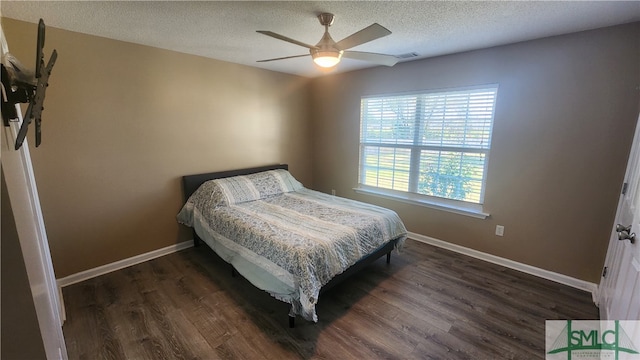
(327, 53)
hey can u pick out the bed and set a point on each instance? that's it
(287, 240)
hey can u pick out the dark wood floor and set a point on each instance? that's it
(429, 303)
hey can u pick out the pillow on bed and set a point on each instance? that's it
(207, 197)
(236, 190)
(239, 189)
(273, 182)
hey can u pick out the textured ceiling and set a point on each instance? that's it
(226, 30)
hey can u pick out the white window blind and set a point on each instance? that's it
(432, 143)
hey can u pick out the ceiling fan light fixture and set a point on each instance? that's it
(326, 59)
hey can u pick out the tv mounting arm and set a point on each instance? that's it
(19, 87)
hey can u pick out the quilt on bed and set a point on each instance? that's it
(300, 236)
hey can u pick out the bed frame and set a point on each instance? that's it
(191, 183)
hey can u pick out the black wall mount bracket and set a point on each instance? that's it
(20, 86)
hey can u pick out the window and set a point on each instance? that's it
(433, 144)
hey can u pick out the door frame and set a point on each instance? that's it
(23, 194)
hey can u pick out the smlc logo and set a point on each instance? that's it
(586, 339)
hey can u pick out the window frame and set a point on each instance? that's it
(412, 196)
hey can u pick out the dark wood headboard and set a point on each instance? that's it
(191, 183)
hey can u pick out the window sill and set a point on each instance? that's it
(456, 207)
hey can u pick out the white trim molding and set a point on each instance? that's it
(532, 270)
(121, 264)
(452, 206)
(528, 269)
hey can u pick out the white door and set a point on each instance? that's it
(619, 290)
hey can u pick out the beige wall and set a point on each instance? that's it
(122, 122)
(565, 117)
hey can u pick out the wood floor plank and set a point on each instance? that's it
(391, 316)
(429, 303)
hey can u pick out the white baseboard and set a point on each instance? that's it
(121, 264)
(532, 270)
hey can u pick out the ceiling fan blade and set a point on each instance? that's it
(282, 58)
(287, 39)
(371, 32)
(381, 59)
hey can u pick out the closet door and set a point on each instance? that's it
(619, 290)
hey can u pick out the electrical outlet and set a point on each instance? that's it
(333, 192)
(499, 230)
